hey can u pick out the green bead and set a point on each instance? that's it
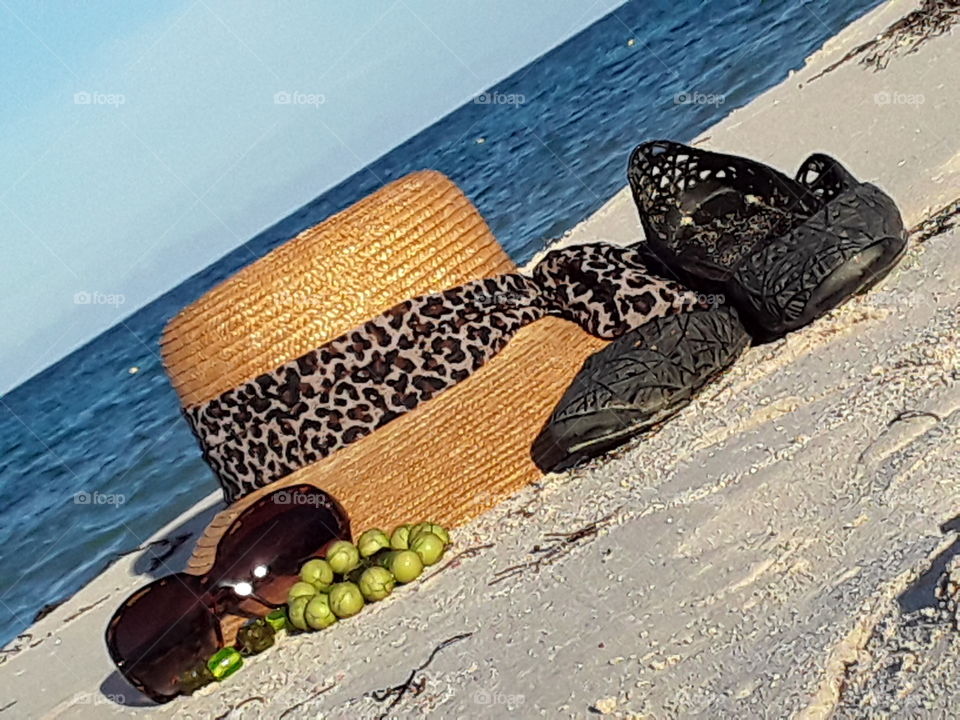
(343, 557)
(376, 583)
(277, 619)
(415, 530)
(255, 637)
(224, 663)
(440, 532)
(318, 613)
(400, 537)
(405, 565)
(372, 541)
(301, 589)
(346, 599)
(428, 546)
(426, 527)
(318, 573)
(195, 678)
(295, 610)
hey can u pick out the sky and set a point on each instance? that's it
(141, 141)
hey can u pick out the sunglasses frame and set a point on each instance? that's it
(220, 598)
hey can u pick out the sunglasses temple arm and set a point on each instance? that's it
(215, 611)
(266, 603)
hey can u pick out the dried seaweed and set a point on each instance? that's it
(313, 697)
(398, 692)
(256, 698)
(84, 609)
(559, 544)
(468, 553)
(944, 220)
(48, 608)
(912, 415)
(907, 35)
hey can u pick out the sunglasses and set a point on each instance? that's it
(172, 625)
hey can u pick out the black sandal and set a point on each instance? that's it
(783, 251)
(773, 254)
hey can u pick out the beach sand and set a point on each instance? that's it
(767, 553)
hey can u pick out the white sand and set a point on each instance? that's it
(761, 534)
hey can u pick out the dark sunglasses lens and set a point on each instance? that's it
(274, 536)
(161, 631)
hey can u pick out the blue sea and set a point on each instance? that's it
(93, 459)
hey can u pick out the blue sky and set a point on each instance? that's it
(143, 140)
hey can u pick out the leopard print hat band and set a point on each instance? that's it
(330, 397)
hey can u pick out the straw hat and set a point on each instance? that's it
(449, 459)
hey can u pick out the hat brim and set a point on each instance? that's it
(452, 458)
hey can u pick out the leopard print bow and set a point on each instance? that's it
(330, 397)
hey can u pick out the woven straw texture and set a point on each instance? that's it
(417, 235)
(451, 458)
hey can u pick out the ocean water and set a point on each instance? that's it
(93, 460)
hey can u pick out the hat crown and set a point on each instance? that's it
(417, 235)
